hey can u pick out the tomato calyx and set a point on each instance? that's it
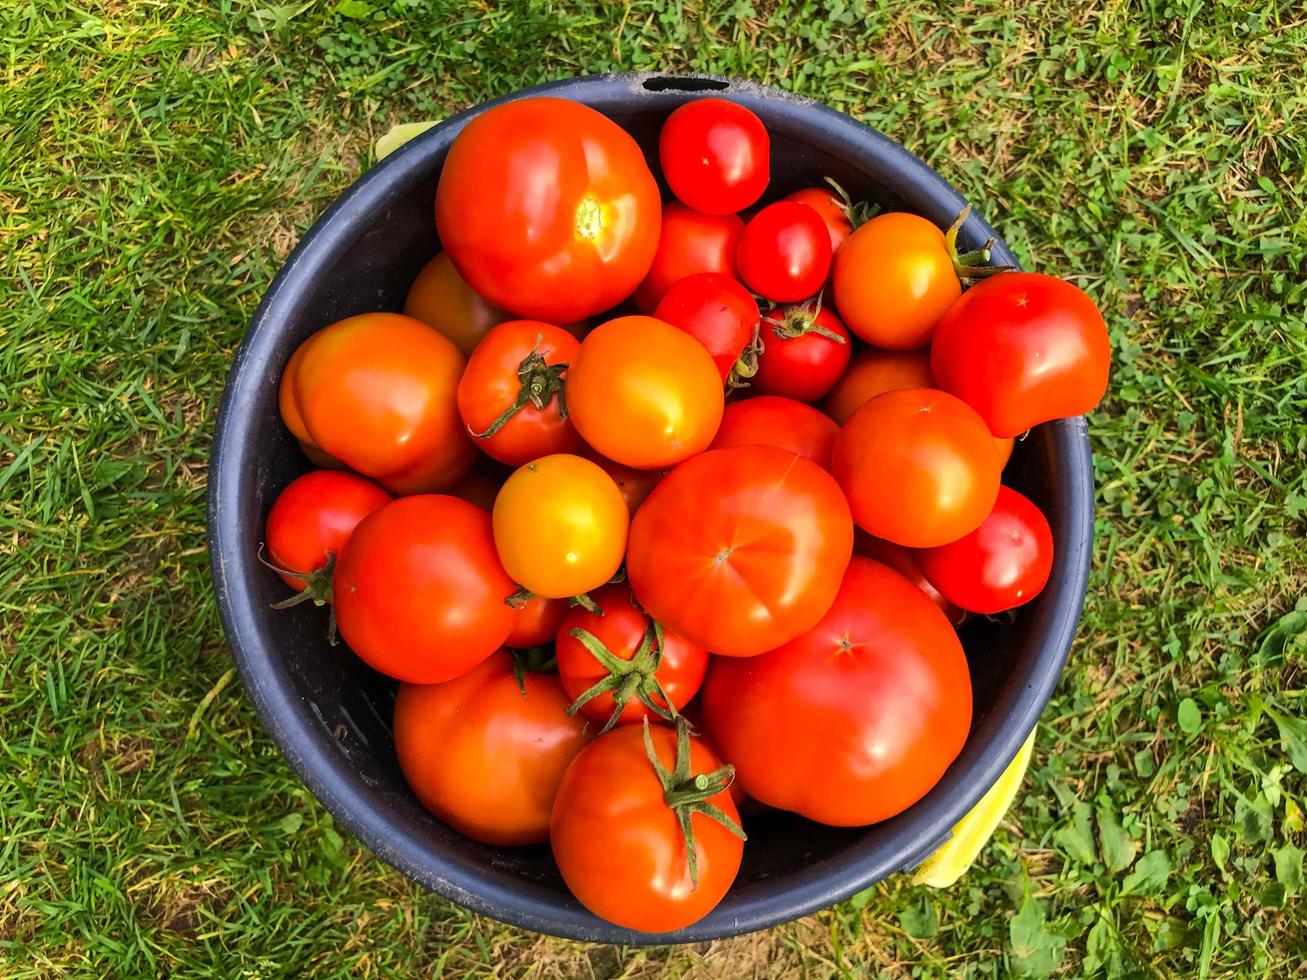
(687, 794)
(746, 365)
(974, 264)
(857, 212)
(533, 660)
(800, 319)
(541, 383)
(316, 590)
(626, 679)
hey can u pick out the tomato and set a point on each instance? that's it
(420, 594)
(769, 420)
(689, 242)
(855, 720)
(376, 392)
(805, 349)
(537, 622)
(874, 372)
(715, 155)
(441, 298)
(740, 550)
(1023, 348)
(718, 312)
(617, 830)
(510, 395)
(486, 752)
(310, 522)
(613, 666)
(643, 393)
(919, 467)
(635, 484)
(1005, 447)
(1000, 565)
(831, 208)
(548, 209)
(480, 486)
(785, 254)
(560, 526)
(907, 562)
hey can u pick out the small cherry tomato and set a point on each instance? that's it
(805, 349)
(719, 313)
(874, 372)
(784, 254)
(1000, 565)
(832, 209)
(907, 562)
(715, 155)
(441, 298)
(560, 526)
(689, 242)
(770, 420)
(510, 395)
(537, 622)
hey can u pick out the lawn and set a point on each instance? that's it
(159, 159)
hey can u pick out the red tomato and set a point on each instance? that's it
(832, 209)
(719, 313)
(310, 522)
(740, 550)
(874, 372)
(689, 242)
(784, 253)
(907, 562)
(1023, 348)
(442, 299)
(805, 349)
(537, 622)
(548, 209)
(635, 484)
(769, 420)
(919, 467)
(1000, 565)
(855, 720)
(613, 667)
(420, 593)
(376, 392)
(510, 395)
(617, 829)
(715, 155)
(486, 752)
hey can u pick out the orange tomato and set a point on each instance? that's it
(441, 298)
(874, 372)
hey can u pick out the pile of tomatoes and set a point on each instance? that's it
(658, 511)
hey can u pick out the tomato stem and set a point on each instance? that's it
(317, 588)
(519, 598)
(533, 660)
(746, 365)
(801, 319)
(858, 213)
(540, 383)
(626, 679)
(973, 264)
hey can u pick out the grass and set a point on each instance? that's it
(159, 159)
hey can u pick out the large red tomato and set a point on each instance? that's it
(740, 550)
(715, 155)
(548, 209)
(719, 313)
(805, 349)
(486, 752)
(855, 720)
(419, 591)
(770, 420)
(689, 242)
(1023, 348)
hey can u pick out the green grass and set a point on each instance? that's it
(158, 159)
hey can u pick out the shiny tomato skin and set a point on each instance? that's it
(770, 420)
(805, 366)
(619, 846)
(715, 310)
(441, 298)
(377, 393)
(830, 208)
(313, 518)
(918, 466)
(536, 623)
(689, 242)
(894, 281)
(420, 594)
(740, 550)
(784, 254)
(486, 755)
(548, 209)
(715, 155)
(874, 372)
(855, 720)
(644, 393)
(907, 562)
(491, 385)
(1000, 565)
(1023, 348)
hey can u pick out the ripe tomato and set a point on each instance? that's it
(310, 522)
(536, 623)
(644, 831)
(440, 298)
(548, 209)
(918, 466)
(831, 208)
(740, 550)
(486, 752)
(613, 667)
(855, 720)
(1023, 348)
(805, 349)
(376, 392)
(719, 313)
(1000, 565)
(643, 393)
(420, 594)
(689, 242)
(634, 484)
(560, 526)
(907, 562)
(769, 420)
(715, 155)
(874, 372)
(510, 395)
(784, 254)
